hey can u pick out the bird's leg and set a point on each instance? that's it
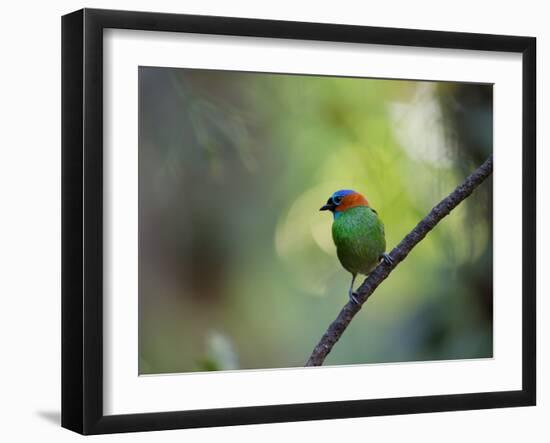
(352, 295)
(385, 257)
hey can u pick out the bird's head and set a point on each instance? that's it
(343, 200)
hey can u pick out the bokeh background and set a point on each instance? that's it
(237, 269)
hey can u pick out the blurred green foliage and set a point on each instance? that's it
(237, 268)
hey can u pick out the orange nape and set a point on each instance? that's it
(351, 201)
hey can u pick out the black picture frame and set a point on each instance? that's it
(82, 220)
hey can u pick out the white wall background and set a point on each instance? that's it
(30, 219)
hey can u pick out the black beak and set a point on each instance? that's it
(330, 206)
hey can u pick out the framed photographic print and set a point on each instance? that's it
(269, 221)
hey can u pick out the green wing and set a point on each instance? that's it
(358, 234)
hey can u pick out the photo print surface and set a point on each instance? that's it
(238, 266)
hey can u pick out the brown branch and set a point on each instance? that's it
(400, 252)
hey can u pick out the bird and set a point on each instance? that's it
(358, 234)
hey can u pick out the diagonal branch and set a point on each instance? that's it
(399, 253)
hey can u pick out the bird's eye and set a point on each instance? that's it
(337, 199)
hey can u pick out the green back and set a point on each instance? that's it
(358, 234)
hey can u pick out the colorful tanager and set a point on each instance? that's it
(358, 234)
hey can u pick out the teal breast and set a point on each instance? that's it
(358, 234)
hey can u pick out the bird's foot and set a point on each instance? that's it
(385, 257)
(353, 297)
